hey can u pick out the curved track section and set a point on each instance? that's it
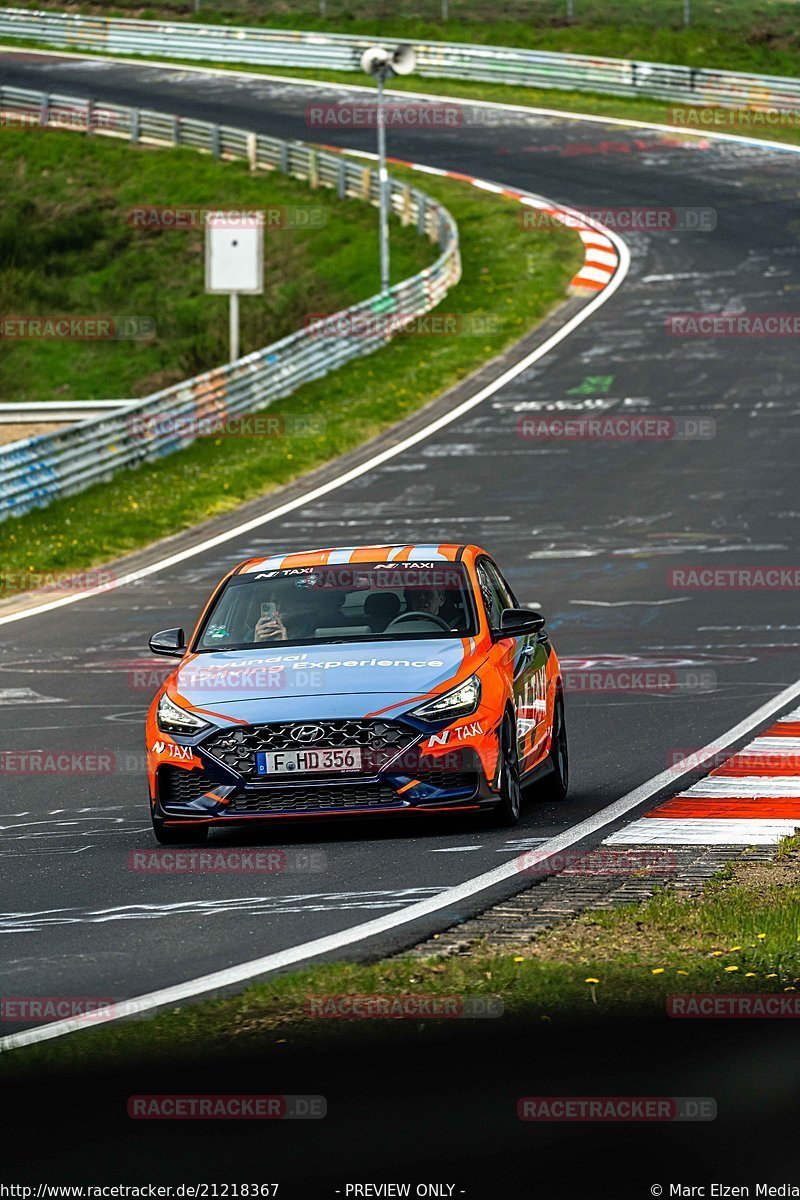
(591, 531)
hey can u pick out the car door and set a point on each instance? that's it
(530, 668)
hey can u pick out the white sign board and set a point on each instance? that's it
(235, 252)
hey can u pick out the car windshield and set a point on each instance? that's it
(348, 603)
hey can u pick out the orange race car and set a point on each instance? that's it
(359, 680)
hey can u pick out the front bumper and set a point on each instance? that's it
(399, 777)
(193, 795)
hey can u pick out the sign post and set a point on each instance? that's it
(382, 64)
(235, 261)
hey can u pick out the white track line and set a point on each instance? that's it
(520, 865)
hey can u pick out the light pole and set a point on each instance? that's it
(382, 63)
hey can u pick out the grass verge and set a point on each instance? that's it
(761, 37)
(512, 278)
(739, 936)
(70, 244)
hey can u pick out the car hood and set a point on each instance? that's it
(297, 682)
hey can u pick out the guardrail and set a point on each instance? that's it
(35, 471)
(53, 413)
(446, 60)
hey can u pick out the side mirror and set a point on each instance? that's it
(169, 642)
(518, 622)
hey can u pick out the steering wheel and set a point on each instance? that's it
(404, 618)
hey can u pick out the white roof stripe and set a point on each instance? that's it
(269, 564)
(423, 552)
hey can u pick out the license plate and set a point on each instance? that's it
(306, 762)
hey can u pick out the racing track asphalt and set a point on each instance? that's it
(588, 531)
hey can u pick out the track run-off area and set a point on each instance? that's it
(601, 535)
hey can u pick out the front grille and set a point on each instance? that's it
(181, 787)
(381, 741)
(449, 781)
(353, 796)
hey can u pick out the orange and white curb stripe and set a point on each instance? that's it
(600, 258)
(753, 799)
(600, 255)
(600, 261)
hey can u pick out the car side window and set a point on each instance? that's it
(501, 587)
(492, 597)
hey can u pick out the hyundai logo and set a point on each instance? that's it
(306, 733)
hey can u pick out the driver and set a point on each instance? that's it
(424, 600)
(298, 615)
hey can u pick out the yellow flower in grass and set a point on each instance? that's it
(519, 958)
(773, 975)
(682, 972)
(731, 968)
(657, 971)
(716, 953)
(761, 936)
(749, 974)
(732, 948)
(592, 981)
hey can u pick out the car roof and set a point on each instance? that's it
(331, 555)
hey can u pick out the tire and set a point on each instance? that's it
(555, 785)
(187, 834)
(506, 813)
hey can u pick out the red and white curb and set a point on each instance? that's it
(752, 799)
(600, 256)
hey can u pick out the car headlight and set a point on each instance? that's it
(173, 719)
(458, 702)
